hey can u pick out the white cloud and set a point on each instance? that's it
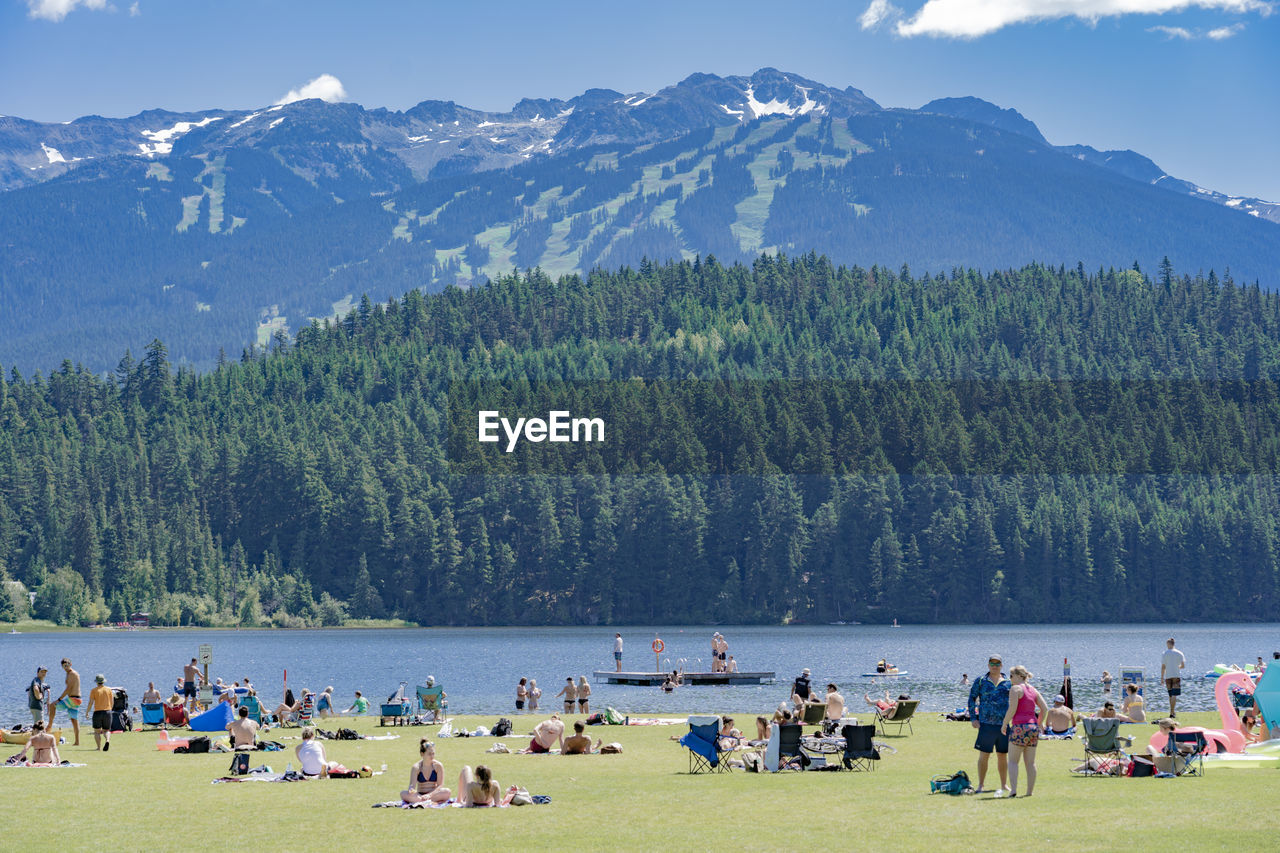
(1217, 34)
(56, 10)
(326, 87)
(1221, 33)
(134, 11)
(877, 13)
(1173, 32)
(974, 18)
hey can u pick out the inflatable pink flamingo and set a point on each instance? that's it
(1231, 737)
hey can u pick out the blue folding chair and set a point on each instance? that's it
(703, 743)
(152, 715)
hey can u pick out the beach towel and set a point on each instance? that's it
(452, 804)
(1067, 735)
(24, 766)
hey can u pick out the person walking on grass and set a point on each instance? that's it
(988, 703)
(101, 700)
(1022, 724)
(1172, 663)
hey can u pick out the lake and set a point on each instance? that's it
(479, 667)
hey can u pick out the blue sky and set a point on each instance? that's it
(1190, 83)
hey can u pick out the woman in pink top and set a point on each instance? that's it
(1022, 723)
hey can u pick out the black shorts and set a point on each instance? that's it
(519, 704)
(189, 689)
(102, 720)
(990, 737)
(1174, 686)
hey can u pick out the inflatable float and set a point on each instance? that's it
(1222, 669)
(21, 738)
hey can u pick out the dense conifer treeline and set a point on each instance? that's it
(310, 482)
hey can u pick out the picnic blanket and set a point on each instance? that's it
(657, 721)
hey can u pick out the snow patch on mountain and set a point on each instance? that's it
(161, 140)
(738, 113)
(274, 123)
(53, 154)
(246, 120)
(776, 107)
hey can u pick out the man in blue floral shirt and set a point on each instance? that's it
(988, 702)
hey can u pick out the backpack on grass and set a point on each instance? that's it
(954, 784)
(502, 728)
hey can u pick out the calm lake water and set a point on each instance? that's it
(479, 667)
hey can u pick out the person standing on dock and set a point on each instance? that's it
(617, 652)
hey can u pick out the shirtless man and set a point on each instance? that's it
(835, 703)
(244, 731)
(547, 734)
(152, 696)
(69, 700)
(101, 700)
(578, 743)
(1060, 718)
(42, 746)
(191, 677)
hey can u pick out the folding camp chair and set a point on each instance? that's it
(1190, 746)
(860, 752)
(790, 751)
(152, 715)
(903, 711)
(254, 706)
(1103, 753)
(703, 743)
(814, 713)
(308, 713)
(432, 699)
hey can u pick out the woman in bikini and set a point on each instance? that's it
(425, 778)
(1133, 704)
(478, 789)
(584, 695)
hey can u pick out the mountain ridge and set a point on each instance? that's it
(226, 230)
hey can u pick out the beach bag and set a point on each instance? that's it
(613, 718)
(119, 699)
(610, 748)
(595, 719)
(348, 734)
(239, 764)
(502, 728)
(955, 784)
(521, 798)
(197, 744)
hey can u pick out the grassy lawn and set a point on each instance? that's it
(642, 799)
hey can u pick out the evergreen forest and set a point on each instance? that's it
(1043, 444)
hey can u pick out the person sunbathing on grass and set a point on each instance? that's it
(426, 778)
(1060, 718)
(43, 748)
(579, 743)
(479, 789)
(546, 734)
(311, 756)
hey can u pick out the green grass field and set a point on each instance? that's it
(137, 797)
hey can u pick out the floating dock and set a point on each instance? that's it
(696, 679)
